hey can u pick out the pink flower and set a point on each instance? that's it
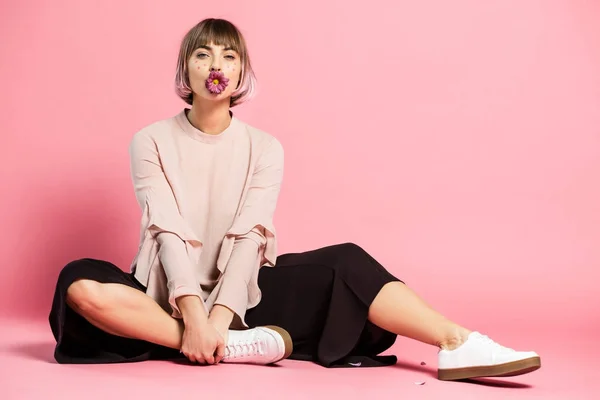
(216, 82)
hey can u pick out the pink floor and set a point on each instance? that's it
(28, 371)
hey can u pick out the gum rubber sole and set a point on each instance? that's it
(502, 370)
(287, 340)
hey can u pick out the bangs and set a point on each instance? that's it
(219, 33)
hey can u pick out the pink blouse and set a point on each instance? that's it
(207, 212)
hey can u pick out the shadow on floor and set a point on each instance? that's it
(43, 351)
(500, 383)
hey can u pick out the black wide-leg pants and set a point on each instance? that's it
(321, 297)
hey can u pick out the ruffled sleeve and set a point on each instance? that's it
(252, 234)
(161, 213)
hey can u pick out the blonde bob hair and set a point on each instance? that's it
(220, 32)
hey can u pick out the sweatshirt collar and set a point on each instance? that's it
(204, 137)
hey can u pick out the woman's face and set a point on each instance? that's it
(218, 58)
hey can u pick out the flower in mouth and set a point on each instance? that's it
(216, 82)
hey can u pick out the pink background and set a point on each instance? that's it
(457, 142)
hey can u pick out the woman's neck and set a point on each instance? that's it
(210, 117)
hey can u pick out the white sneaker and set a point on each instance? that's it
(261, 345)
(480, 357)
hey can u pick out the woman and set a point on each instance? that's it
(208, 184)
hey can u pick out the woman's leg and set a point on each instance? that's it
(398, 309)
(393, 306)
(124, 311)
(463, 354)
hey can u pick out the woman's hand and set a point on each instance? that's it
(201, 342)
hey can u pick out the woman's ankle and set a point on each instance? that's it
(453, 338)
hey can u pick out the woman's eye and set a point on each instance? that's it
(230, 57)
(202, 55)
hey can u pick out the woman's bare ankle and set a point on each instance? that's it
(454, 338)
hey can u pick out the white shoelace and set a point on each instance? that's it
(244, 348)
(485, 339)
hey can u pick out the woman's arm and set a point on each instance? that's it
(233, 292)
(243, 250)
(165, 223)
(181, 281)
